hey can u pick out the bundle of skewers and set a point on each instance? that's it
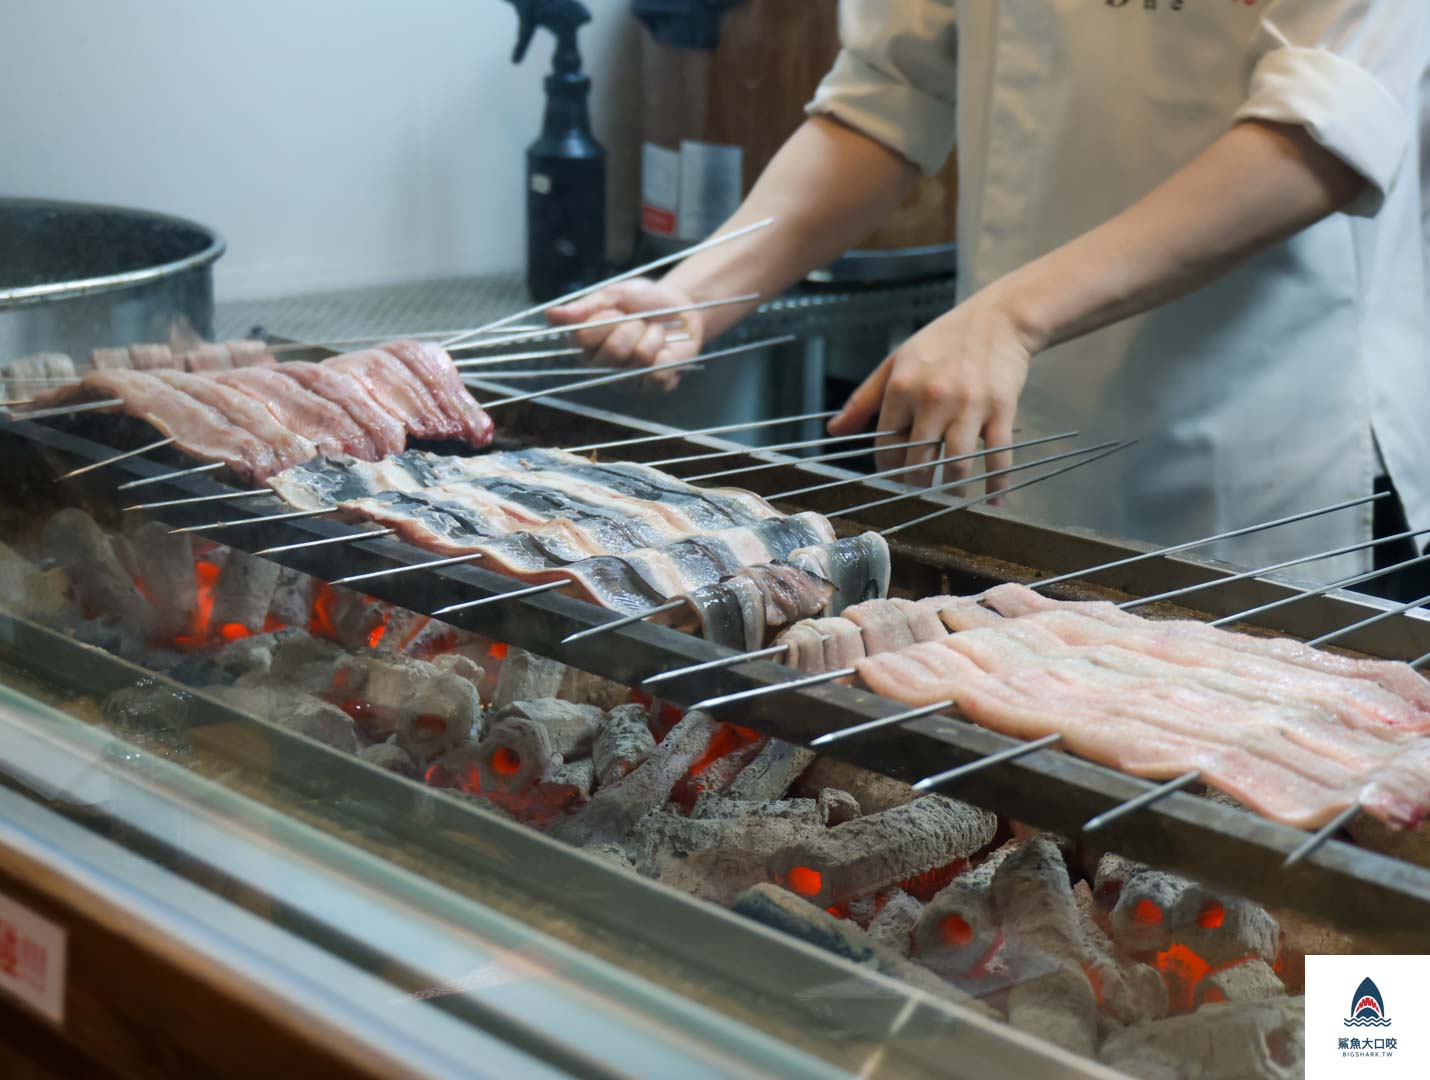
(1299, 735)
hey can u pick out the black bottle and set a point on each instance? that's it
(565, 167)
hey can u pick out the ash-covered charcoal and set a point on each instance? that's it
(525, 676)
(355, 620)
(102, 584)
(958, 930)
(1059, 1006)
(1113, 872)
(588, 689)
(464, 667)
(293, 597)
(1044, 933)
(782, 910)
(836, 807)
(614, 810)
(165, 571)
(42, 595)
(730, 751)
(243, 594)
(624, 741)
(1129, 992)
(515, 754)
(1262, 1039)
(149, 706)
(715, 859)
(249, 656)
(317, 667)
(613, 854)
(572, 728)
(567, 786)
(724, 806)
(772, 772)
(873, 791)
(873, 852)
(295, 711)
(893, 924)
(429, 710)
(391, 757)
(1252, 980)
(1156, 910)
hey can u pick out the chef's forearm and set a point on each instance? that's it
(1257, 184)
(827, 189)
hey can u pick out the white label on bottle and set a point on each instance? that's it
(32, 960)
(541, 183)
(660, 189)
(711, 187)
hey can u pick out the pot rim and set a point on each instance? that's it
(64, 290)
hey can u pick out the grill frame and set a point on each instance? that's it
(1198, 837)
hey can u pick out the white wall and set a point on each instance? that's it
(333, 142)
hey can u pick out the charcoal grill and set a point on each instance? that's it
(960, 553)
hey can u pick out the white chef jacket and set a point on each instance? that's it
(1262, 394)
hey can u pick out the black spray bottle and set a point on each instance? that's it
(565, 167)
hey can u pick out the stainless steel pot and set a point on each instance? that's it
(74, 276)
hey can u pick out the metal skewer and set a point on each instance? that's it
(948, 776)
(827, 440)
(628, 620)
(212, 466)
(1321, 835)
(556, 354)
(532, 591)
(213, 526)
(111, 460)
(715, 665)
(818, 459)
(352, 539)
(991, 495)
(886, 473)
(720, 430)
(1146, 799)
(774, 688)
(1399, 609)
(639, 271)
(1422, 662)
(635, 373)
(12, 402)
(1190, 544)
(1245, 574)
(883, 722)
(67, 410)
(227, 496)
(615, 320)
(435, 564)
(1343, 583)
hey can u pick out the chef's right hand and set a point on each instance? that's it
(638, 343)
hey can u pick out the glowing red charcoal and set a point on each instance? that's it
(804, 880)
(1212, 915)
(505, 761)
(1147, 913)
(954, 930)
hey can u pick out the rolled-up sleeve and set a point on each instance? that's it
(895, 77)
(1348, 72)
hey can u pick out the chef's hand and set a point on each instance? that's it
(958, 379)
(638, 343)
